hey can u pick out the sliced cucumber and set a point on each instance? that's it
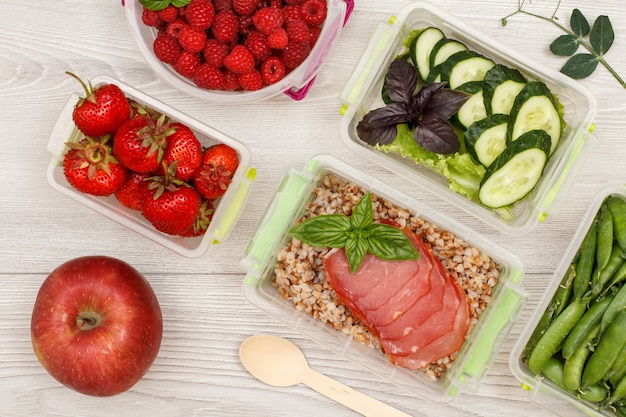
(500, 86)
(443, 50)
(516, 171)
(486, 139)
(535, 108)
(473, 109)
(421, 48)
(465, 66)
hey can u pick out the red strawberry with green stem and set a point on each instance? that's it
(128, 193)
(102, 110)
(170, 205)
(203, 220)
(90, 167)
(184, 148)
(219, 163)
(140, 142)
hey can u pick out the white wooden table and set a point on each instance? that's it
(197, 372)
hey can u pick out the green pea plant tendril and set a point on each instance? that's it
(596, 39)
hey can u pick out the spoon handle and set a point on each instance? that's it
(349, 397)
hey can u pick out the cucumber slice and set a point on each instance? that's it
(442, 50)
(421, 48)
(486, 139)
(516, 171)
(463, 67)
(500, 86)
(535, 108)
(473, 109)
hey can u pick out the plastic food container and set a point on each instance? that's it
(479, 350)
(362, 93)
(227, 208)
(296, 84)
(542, 391)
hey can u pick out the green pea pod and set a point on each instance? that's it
(609, 347)
(618, 369)
(619, 391)
(573, 367)
(594, 393)
(601, 280)
(617, 206)
(553, 370)
(562, 295)
(618, 276)
(584, 266)
(554, 336)
(604, 237)
(618, 303)
(587, 322)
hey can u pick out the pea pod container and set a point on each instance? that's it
(363, 93)
(549, 389)
(227, 208)
(294, 194)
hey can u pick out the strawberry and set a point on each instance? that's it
(90, 167)
(203, 219)
(140, 142)
(219, 163)
(170, 205)
(102, 110)
(183, 150)
(128, 193)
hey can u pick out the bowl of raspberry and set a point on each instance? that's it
(237, 51)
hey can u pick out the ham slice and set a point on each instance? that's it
(419, 313)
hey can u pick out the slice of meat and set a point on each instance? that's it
(446, 345)
(379, 291)
(435, 326)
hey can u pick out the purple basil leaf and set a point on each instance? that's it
(436, 135)
(420, 100)
(444, 103)
(401, 81)
(382, 135)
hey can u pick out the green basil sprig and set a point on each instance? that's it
(358, 235)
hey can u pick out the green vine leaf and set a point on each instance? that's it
(580, 66)
(602, 35)
(579, 24)
(564, 45)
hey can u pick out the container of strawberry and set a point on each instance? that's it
(237, 51)
(148, 166)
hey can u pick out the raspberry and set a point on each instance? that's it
(291, 13)
(225, 27)
(293, 1)
(200, 14)
(168, 14)
(256, 42)
(314, 31)
(223, 5)
(187, 63)
(298, 31)
(208, 77)
(251, 80)
(231, 83)
(295, 54)
(166, 48)
(267, 19)
(245, 7)
(272, 70)
(150, 18)
(174, 28)
(240, 60)
(191, 39)
(245, 25)
(313, 12)
(214, 52)
(278, 39)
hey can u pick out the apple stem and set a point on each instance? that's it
(88, 320)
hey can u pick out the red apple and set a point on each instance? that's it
(96, 325)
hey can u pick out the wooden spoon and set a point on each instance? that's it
(278, 362)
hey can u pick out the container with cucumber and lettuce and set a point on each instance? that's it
(484, 126)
